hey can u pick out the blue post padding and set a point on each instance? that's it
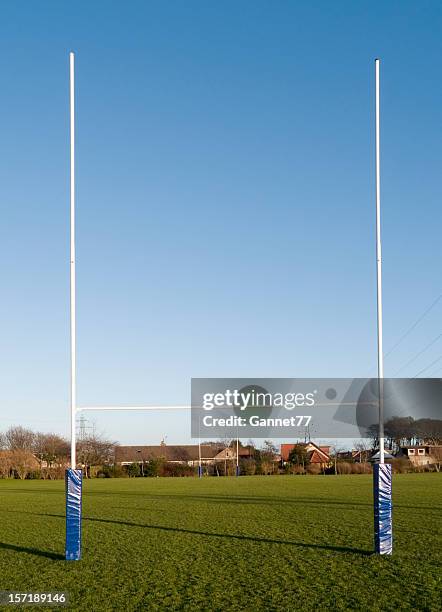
(73, 480)
(238, 470)
(383, 523)
(200, 471)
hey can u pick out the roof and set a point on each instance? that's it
(189, 452)
(317, 456)
(322, 452)
(246, 451)
(377, 456)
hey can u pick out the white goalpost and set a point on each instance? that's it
(382, 474)
(379, 262)
(72, 259)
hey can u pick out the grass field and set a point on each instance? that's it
(251, 543)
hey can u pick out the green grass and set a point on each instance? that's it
(251, 543)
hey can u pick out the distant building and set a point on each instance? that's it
(354, 456)
(376, 457)
(319, 455)
(422, 455)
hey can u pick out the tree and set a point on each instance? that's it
(95, 450)
(267, 457)
(19, 438)
(5, 464)
(52, 450)
(363, 449)
(429, 431)
(22, 462)
(133, 470)
(335, 456)
(373, 432)
(269, 449)
(298, 455)
(155, 467)
(247, 467)
(399, 431)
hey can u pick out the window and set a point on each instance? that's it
(411, 451)
(421, 451)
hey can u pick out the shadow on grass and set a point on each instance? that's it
(59, 491)
(261, 499)
(32, 551)
(233, 499)
(271, 500)
(233, 536)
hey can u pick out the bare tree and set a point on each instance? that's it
(363, 449)
(18, 457)
(52, 451)
(95, 450)
(267, 456)
(5, 464)
(334, 455)
(19, 438)
(22, 462)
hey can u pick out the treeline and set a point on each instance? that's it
(28, 454)
(406, 431)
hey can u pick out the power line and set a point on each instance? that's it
(428, 367)
(418, 355)
(414, 325)
(411, 328)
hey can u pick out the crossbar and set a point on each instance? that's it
(80, 408)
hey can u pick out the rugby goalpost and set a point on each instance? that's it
(73, 478)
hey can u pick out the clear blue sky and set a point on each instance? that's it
(225, 198)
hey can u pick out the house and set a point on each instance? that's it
(354, 456)
(428, 454)
(319, 455)
(246, 452)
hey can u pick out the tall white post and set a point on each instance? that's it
(379, 271)
(200, 472)
(72, 262)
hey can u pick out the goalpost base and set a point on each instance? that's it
(73, 481)
(383, 523)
